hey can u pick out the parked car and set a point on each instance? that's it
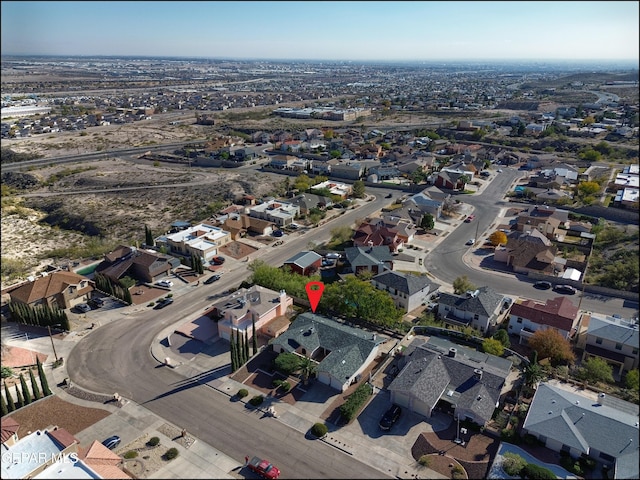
(83, 308)
(217, 260)
(469, 218)
(541, 285)
(567, 289)
(499, 170)
(112, 442)
(163, 303)
(295, 226)
(99, 301)
(327, 262)
(165, 283)
(211, 279)
(278, 243)
(333, 255)
(388, 195)
(278, 233)
(262, 467)
(390, 417)
(471, 241)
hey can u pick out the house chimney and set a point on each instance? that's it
(452, 352)
(477, 374)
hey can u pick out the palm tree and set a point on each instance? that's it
(307, 367)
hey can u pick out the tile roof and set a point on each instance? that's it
(63, 437)
(47, 286)
(98, 454)
(584, 424)
(557, 312)
(8, 427)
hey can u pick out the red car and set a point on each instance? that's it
(469, 218)
(262, 467)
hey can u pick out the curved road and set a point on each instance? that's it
(116, 358)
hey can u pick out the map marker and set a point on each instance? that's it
(314, 293)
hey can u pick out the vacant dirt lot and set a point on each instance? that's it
(116, 198)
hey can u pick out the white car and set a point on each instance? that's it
(471, 241)
(165, 283)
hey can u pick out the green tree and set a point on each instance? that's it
(533, 371)
(462, 284)
(427, 222)
(551, 344)
(34, 386)
(595, 369)
(503, 337)
(588, 188)
(306, 367)
(287, 363)
(358, 189)
(19, 399)
(148, 236)
(233, 352)
(492, 347)
(632, 380)
(4, 408)
(254, 336)
(11, 406)
(341, 234)
(26, 394)
(43, 379)
(246, 346)
(335, 153)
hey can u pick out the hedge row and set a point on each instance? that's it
(356, 400)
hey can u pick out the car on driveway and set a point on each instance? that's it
(211, 279)
(333, 255)
(390, 417)
(165, 283)
(278, 233)
(83, 308)
(112, 442)
(217, 260)
(263, 467)
(471, 241)
(567, 289)
(541, 285)
(163, 303)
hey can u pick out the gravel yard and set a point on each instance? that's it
(55, 411)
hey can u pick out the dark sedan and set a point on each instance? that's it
(390, 417)
(163, 303)
(211, 279)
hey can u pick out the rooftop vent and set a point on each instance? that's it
(477, 374)
(453, 351)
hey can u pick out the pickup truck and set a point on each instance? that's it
(262, 467)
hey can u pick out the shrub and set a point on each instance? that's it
(243, 392)
(457, 472)
(535, 472)
(130, 454)
(277, 382)
(424, 460)
(171, 454)
(349, 408)
(319, 429)
(153, 441)
(513, 464)
(285, 386)
(151, 304)
(6, 372)
(257, 400)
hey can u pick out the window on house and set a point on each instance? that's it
(618, 346)
(72, 289)
(635, 351)
(519, 320)
(599, 341)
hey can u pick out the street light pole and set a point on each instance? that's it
(52, 345)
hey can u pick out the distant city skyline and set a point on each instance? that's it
(327, 31)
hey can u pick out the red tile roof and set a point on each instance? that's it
(63, 437)
(8, 427)
(557, 312)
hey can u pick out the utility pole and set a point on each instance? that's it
(52, 345)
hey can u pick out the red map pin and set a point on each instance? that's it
(314, 293)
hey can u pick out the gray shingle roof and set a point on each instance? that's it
(367, 256)
(430, 375)
(405, 283)
(484, 303)
(582, 423)
(613, 330)
(304, 259)
(349, 347)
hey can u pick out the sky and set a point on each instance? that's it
(357, 31)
